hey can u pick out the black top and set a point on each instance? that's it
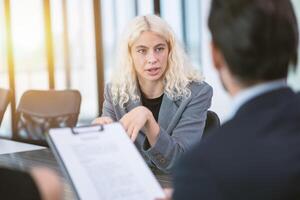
(152, 104)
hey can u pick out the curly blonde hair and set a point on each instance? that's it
(180, 72)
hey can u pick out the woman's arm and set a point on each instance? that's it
(140, 118)
(170, 146)
(108, 114)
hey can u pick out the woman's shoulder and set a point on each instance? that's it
(198, 88)
(108, 85)
(108, 89)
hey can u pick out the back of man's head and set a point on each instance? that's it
(258, 38)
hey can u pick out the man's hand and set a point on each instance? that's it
(168, 192)
(48, 183)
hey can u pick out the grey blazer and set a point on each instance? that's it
(181, 125)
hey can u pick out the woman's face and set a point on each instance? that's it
(150, 57)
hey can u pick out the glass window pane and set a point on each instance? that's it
(109, 33)
(3, 61)
(58, 43)
(185, 18)
(115, 16)
(82, 56)
(28, 50)
(124, 12)
(145, 7)
(79, 52)
(294, 76)
(29, 46)
(5, 128)
(193, 30)
(171, 11)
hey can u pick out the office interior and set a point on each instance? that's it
(70, 44)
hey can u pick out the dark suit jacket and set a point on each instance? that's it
(254, 156)
(17, 185)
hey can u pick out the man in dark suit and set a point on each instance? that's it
(256, 154)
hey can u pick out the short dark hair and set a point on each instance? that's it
(258, 38)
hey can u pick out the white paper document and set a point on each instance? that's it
(103, 163)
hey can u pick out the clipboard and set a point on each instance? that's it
(101, 162)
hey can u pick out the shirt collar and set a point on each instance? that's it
(249, 93)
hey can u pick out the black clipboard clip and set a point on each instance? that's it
(87, 129)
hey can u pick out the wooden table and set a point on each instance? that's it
(44, 157)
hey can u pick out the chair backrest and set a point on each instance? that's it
(212, 121)
(40, 110)
(4, 101)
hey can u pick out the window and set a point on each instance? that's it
(28, 50)
(115, 16)
(185, 19)
(71, 29)
(4, 79)
(74, 50)
(294, 76)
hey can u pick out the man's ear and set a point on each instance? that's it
(217, 57)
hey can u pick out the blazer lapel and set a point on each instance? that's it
(271, 99)
(131, 105)
(167, 111)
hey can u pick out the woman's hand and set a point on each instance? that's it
(102, 120)
(135, 120)
(140, 118)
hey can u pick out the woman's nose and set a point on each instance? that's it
(151, 58)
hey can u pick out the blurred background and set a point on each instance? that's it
(70, 44)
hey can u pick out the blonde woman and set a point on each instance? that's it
(156, 95)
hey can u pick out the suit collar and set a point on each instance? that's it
(270, 99)
(167, 109)
(250, 93)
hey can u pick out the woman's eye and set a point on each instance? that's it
(142, 51)
(159, 49)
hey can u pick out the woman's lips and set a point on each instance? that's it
(153, 71)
